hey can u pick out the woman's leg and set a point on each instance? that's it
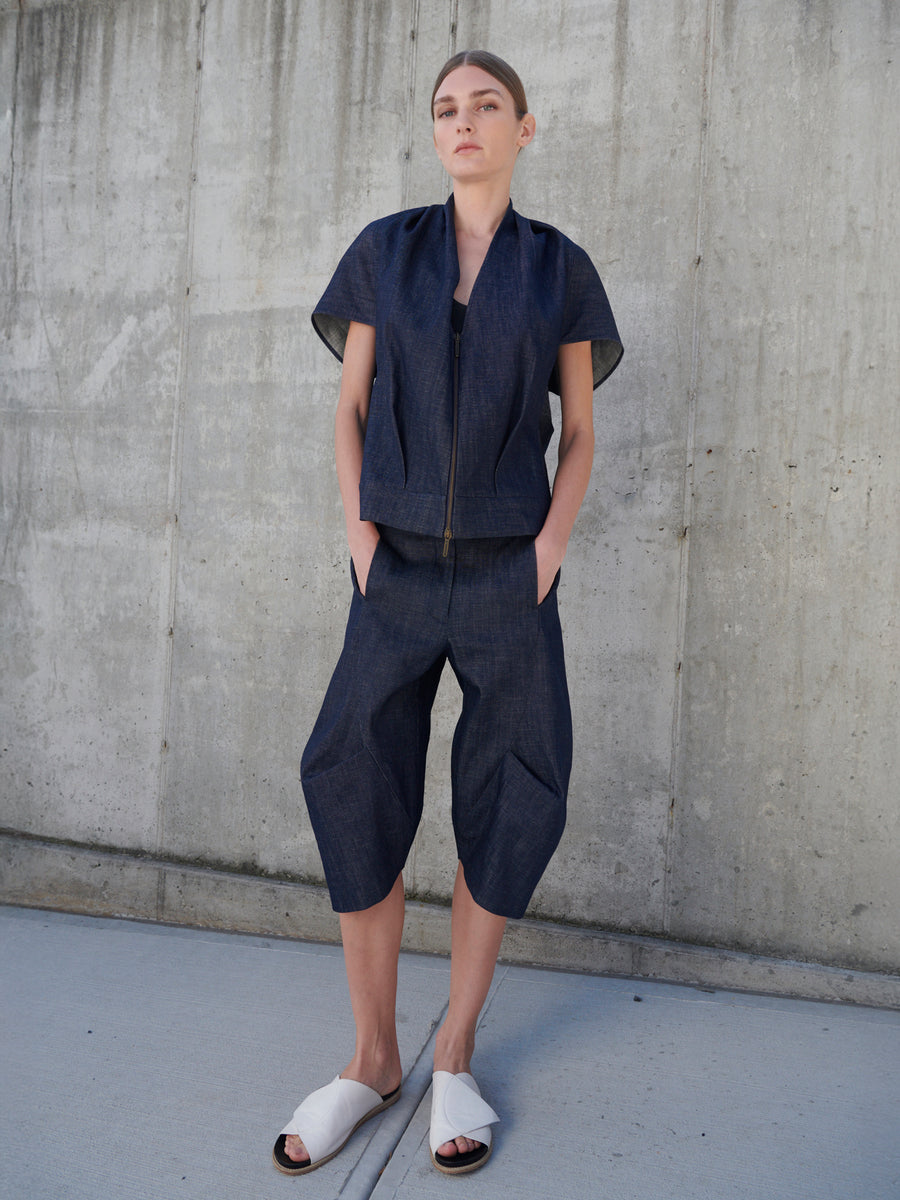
(475, 943)
(371, 941)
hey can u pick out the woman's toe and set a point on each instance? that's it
(462, 1145)
(294, 1149)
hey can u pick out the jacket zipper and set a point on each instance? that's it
(451, 485)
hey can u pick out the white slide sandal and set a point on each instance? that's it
(457, 1110)
(326, 1120)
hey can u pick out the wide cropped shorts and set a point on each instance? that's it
(363, 769)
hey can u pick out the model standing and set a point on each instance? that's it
(452, 323)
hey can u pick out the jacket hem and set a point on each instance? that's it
(473, 516)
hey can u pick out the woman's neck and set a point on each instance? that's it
(479, 208)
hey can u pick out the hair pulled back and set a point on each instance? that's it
(495, 67)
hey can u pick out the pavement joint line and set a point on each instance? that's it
(363, 1181)
(372, 1176)
(393, 1172)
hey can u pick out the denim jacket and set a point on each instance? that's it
(458, 425)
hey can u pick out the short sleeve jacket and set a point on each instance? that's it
(458, 425)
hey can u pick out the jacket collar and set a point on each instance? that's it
(499, 242)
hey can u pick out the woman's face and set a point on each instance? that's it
(477, 133)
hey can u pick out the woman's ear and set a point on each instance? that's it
(527, 130)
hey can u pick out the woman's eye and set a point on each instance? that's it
(447, 112)
(488, 107)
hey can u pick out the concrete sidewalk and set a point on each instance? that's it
(155, 1062)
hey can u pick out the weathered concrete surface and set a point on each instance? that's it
(96, 161)
(40, 874)
(179, 180)
(788, 744)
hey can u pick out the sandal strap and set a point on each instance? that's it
(457, 1110)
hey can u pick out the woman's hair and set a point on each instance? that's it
(495, 66)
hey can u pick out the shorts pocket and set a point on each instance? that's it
(534, 576)
(376, 557)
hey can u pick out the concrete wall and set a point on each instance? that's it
(179, 179)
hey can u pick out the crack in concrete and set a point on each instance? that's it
(10, 238)
(688, 492)
(169, 593)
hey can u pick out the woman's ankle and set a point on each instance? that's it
(381, 1071)
(453, 1050)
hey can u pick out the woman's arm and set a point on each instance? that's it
(576, 457)
(349, 435)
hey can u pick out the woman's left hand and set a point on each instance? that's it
(549, 561)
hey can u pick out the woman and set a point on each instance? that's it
(451, 322)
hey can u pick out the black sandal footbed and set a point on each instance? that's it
(460, 1163)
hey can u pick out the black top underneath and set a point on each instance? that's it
(457, 316)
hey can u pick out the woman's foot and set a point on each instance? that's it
(459, 1118)
(383, 1082)
(454, 1056)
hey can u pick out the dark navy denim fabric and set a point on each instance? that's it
(363, 769)
(535, 291)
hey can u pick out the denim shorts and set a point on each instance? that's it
(363, 769)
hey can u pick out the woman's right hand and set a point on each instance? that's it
(362, 551)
